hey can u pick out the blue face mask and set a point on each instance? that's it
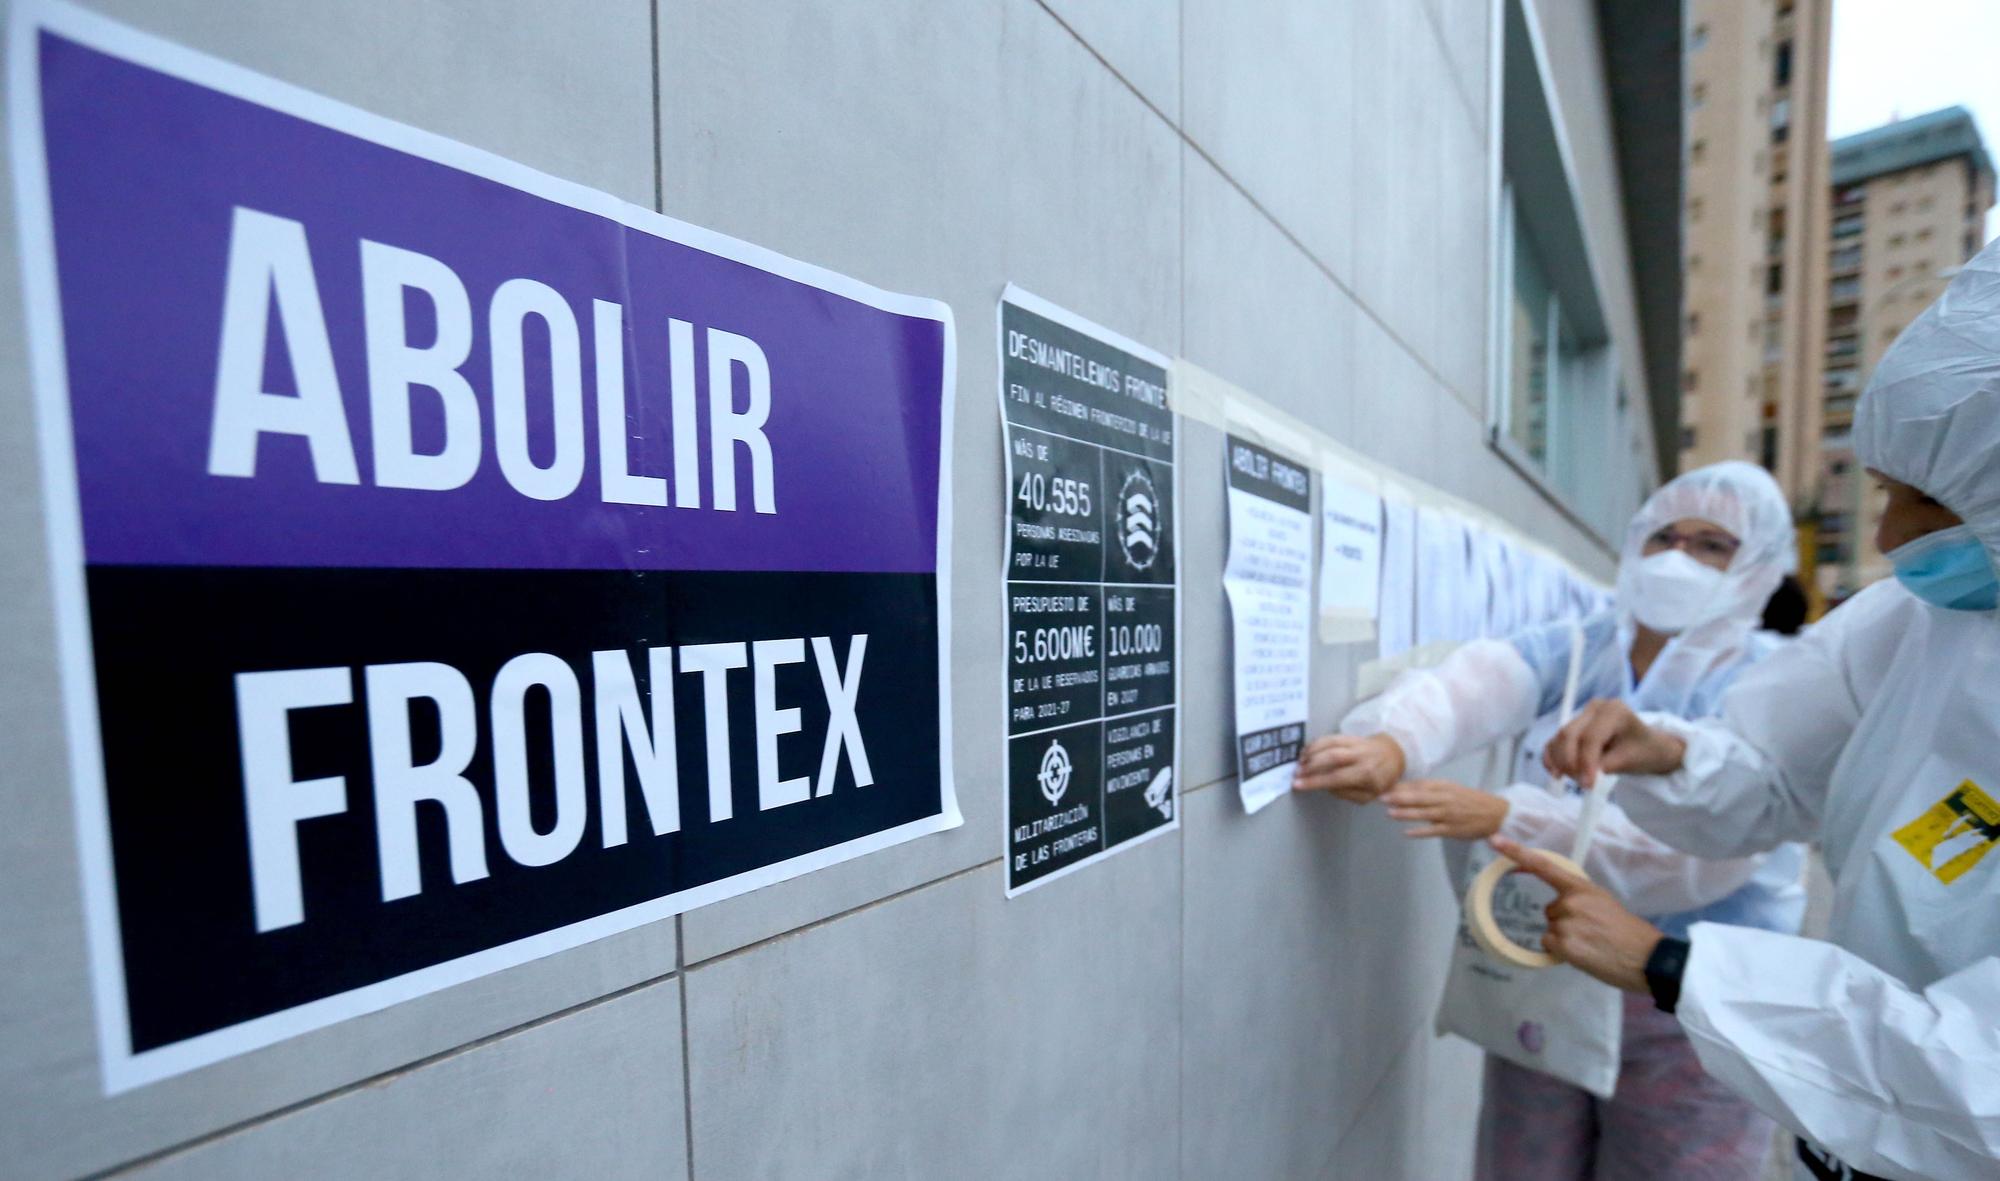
(1948, 568)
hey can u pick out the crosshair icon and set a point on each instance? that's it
(1054, 775)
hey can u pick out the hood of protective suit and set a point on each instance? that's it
(1745, 500)
(1930, 416)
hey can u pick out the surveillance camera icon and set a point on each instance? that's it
(1159, 793)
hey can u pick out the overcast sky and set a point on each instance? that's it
(1896, 58)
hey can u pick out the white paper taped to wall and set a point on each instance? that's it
(1350, 555)
(1396, 606)
(1536, 581)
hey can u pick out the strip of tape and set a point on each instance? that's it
(1346, 625)
(1486, 931)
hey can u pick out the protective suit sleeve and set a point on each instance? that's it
(1647, 875)
(1890, 1080)
(1757, 776)
(1481, 693)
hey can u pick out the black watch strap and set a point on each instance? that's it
(1664, 969)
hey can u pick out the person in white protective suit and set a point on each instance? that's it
(1878, 734)
(1700, 560)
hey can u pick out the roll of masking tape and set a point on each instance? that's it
(1479, 914)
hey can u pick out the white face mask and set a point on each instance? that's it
(1673, 591)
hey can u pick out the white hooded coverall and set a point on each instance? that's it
(1877, 733)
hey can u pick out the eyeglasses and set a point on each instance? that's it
(1709, 546)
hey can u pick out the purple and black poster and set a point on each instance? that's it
(453, 564)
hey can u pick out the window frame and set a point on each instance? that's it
(1589, 418)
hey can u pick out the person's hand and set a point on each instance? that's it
(1442, 808)
(1606, 736)
(1355, 769)
(1587, 926)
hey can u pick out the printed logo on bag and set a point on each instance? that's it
(1954, 834)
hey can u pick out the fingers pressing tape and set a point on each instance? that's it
(1486, 930)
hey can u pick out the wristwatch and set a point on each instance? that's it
(1664, 969)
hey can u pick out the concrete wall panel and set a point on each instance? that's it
(945, 158)
(950, 1032)
(594, 1093)
(1270, 99)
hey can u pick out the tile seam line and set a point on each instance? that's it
(659, 123)
(695, 966)
(1319, 264)
(1180, 804)
(687, 1066)
(689, 967)
(1431, 18)
(1375, 1088)
(680, 926)
(381, 1078)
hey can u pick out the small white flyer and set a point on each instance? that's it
(1268, 579)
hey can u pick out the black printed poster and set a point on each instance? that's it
(1092, 591)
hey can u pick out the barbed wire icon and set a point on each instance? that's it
(1139, 520)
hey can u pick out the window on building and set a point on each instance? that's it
(1847, 227)
(1687, 438)
(1846, 258)
(1851, 195)
(1694, 209)
(1697, 149)
(1774, 279)
(1697, 95)
(1843, 346)
(1896, 240)
(1845, 377)
(1555, 412)
(1697, 36)
(1781, 76)
(1781, 119)
(1840, 404)
(1693, 323)
(1690, 380)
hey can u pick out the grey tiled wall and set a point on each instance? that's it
(1293, 195)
